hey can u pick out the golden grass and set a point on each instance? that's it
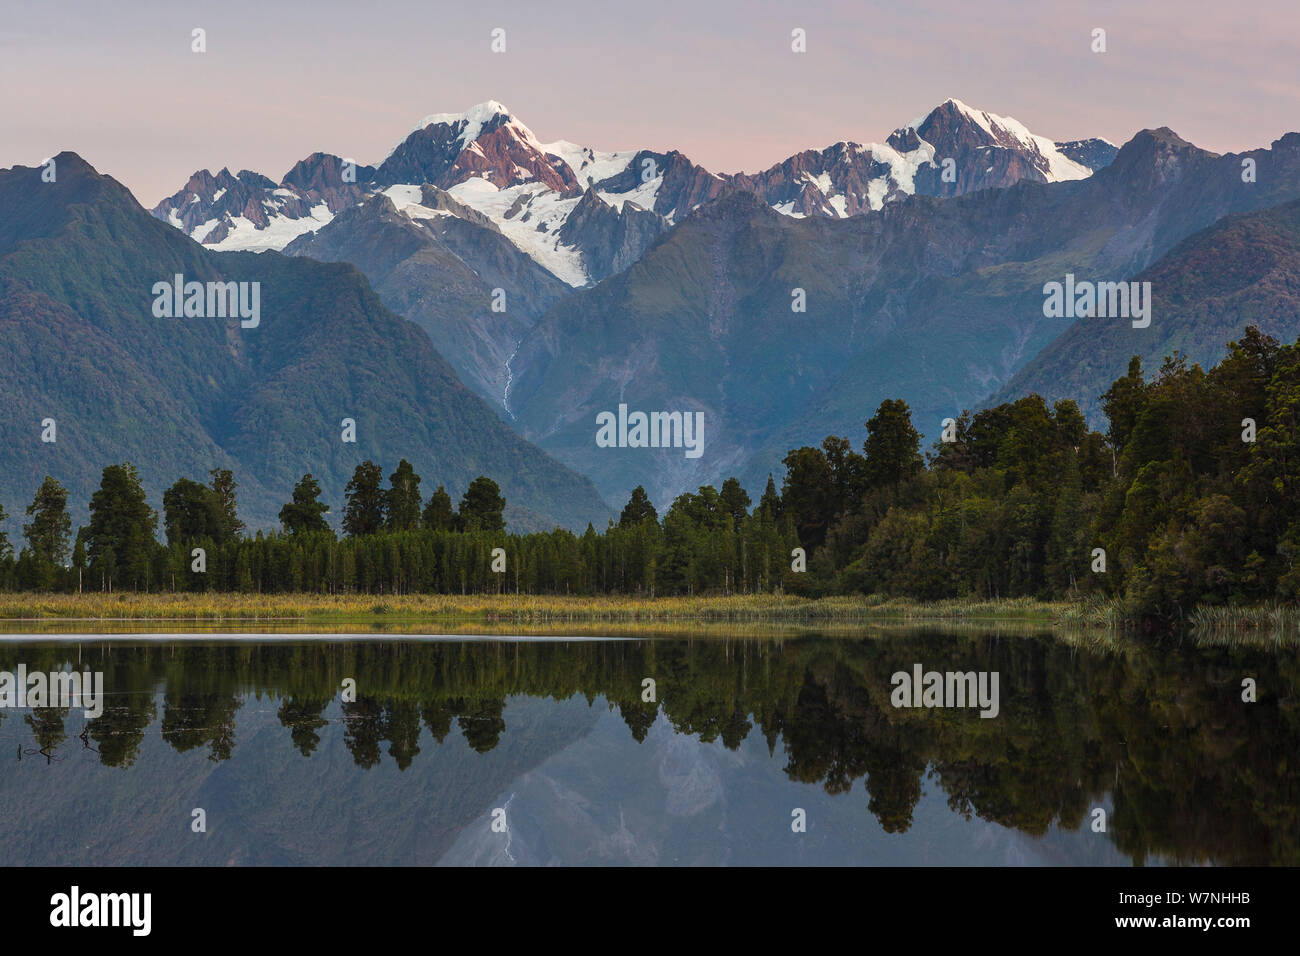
(506, 608)
(489, 611)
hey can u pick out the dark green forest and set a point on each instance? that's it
(1190, 493)
(1188, 498)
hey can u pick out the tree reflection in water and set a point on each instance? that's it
(1191, 771)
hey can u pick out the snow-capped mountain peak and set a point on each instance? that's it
(485, 142)
(468, 125)
(995, 150)
(489, 162)
(476, 116)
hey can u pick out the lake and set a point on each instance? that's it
(714, 748)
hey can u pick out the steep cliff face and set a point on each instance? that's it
(611, 238)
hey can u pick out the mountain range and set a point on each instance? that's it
(477, 203)
(491, 162)
(935, 301)
(562, 283)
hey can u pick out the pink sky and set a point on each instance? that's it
(715, 79)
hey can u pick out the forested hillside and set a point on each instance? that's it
(81, 346)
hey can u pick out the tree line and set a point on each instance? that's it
(1188, 497)
(392, 542)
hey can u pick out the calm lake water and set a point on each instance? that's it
(476, 750)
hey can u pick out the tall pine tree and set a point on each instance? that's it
(47, 535)
(364, 512)
(402, 501)
(120, 536)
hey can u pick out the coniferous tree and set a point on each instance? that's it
(808, 494)
(6, 555)
(482, 507)
(122, 525)
(191, 511)
(79, 556)
(364, 513)
(1123, 403)
(735, 501)
(438, 513)
(893, 446)
(306, 512)
(229, 527)
(770, 503)
(402, 501)
(638, 509)
(848, 474)
(47, 535)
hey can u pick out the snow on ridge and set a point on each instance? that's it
(643, 195)
(599, 165)
(1086, 139)
(902, 166)
(403, 195)
(877, 189)
(984, 120)
(541, 207)
(822, 181)
(970, 111)
(244, 235)
(587, 162)
(1059, 166)
(474, 118)
(201, 232)
(547, 209)
(409, 201)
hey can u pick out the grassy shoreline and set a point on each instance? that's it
(511, 609)
(507, 608)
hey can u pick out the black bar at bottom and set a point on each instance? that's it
(211, 905)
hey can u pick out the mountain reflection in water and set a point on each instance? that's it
(743, 733)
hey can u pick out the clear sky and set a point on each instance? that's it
(117, 81)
